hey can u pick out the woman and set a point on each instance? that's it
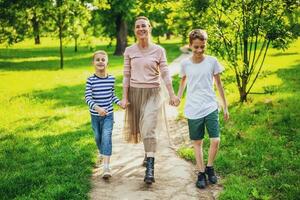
(145, 64)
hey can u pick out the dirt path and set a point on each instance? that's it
(175, 178)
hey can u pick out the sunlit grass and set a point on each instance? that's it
(47, 148)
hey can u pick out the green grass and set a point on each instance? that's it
(47, 148)
(259, 152)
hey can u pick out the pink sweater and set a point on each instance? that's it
(142, 68)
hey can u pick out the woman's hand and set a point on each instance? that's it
(176, 103)
(124, 103)
(174, 100)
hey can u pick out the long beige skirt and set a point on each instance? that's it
(145, 116)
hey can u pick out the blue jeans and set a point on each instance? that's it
(102, 127)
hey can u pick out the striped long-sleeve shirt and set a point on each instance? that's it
(101, 92)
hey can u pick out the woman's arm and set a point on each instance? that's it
(124, 102)
(165, 75)
(126, 79)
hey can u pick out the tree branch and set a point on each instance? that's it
(261, 65)
(253, 66)
(256, 35)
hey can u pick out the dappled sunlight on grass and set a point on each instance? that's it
(46, 161)
(46, 141)
(47, 145)
(48, 58)
(18, 60)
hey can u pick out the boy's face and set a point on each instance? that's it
(198, 46)
(100, 62)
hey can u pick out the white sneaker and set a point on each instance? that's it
(106, 173)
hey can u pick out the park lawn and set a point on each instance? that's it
(47, 149)
(259, 151)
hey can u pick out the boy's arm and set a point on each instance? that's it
(222, 95)
(88, 95)
(181, 87)
(100, 111)
(115, 98)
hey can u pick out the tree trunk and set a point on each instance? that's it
(111, 39)
(61, 49)
(168, 35)
(243, 96)
(184, 36)
(158, 41)
(36, 29)
(37, 39)
(121, 27)
(75, 44)
(242, 90)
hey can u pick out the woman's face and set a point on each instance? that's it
(142, 29)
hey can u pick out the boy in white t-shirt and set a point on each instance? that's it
(201, 109)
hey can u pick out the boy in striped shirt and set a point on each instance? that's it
(100, 96)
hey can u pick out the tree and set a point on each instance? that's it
(36, 26)
(79, 21)
(189, 17)
(35, 17)
(35, 9)
(242, 31)
(114, 20)
(157, 11)
(68, 16)
(20, 19)
(13, 22)
(59, 12)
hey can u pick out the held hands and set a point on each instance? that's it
(174, 100)
(124, 103)
(102, 112)
(121, 105)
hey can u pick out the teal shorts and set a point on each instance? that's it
(197, 126)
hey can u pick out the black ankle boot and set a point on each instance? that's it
(149, 174)
(145, 161)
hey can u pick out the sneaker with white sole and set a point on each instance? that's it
(212, 178)
(106, 173)
(201, 181)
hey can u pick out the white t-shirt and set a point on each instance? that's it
(201, 98)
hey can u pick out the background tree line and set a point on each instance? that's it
(240, 31)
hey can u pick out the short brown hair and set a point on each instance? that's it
(144, 18)
(99, 52)
(197, 34)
